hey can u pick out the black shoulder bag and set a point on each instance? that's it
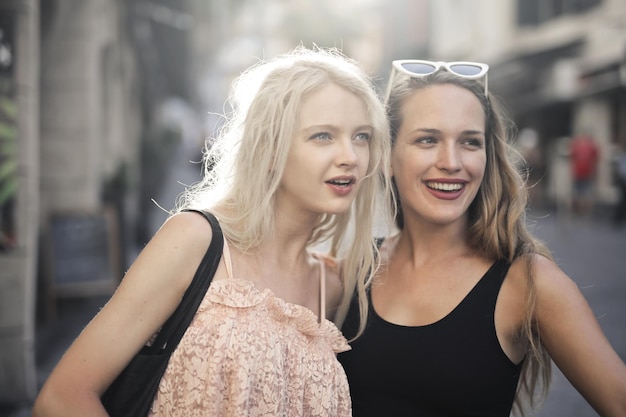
(133, 391)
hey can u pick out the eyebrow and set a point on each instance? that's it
(473, 132)
(334, 128)
(437, 131)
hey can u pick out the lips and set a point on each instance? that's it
(342, 186)
(445, 186)
(342, 181)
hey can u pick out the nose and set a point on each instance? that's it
(448, 158)
(346, 154)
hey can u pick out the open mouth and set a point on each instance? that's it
(445, 186)
(341, 182)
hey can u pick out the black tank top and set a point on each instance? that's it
(453, 367)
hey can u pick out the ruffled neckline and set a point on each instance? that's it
(241, 293)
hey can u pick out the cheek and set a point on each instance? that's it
(363, 156)
(402, 172)
(409, 164)
(475, 163)
(479, 167)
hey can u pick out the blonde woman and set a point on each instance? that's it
(296, 165)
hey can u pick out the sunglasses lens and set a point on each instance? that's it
(464, 69)
(419, 68)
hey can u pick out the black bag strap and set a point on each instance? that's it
(175, 327)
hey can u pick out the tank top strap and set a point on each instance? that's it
(485, 294)
(227, 261)
(499, 270)
(322, 291)
(322, 264)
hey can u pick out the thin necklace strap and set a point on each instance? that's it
(227, 261)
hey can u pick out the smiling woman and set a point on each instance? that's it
(443, 146)
(469, 308)
(299, 162)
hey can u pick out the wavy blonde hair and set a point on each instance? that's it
(497, 216)
(244, 164)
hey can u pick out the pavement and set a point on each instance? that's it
(591, 251)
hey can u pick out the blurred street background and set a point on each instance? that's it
(590, 250)
(105, 106)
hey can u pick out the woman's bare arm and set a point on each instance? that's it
(576, 343)
(146, 297)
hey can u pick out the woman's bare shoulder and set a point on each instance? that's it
(170, 258)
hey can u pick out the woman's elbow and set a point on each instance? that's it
(62, 401)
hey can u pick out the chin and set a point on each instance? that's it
(446, 218)
(336, 210)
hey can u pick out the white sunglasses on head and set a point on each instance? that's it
(418, 68)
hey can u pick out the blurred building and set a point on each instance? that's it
(82, 85)
(229, 36)
(559, 66)
(19, 186)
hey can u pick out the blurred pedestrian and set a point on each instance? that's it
(296, 165)
(468, 308)
(619, 179)
(560, 172)
(584, 161)
(533, 166)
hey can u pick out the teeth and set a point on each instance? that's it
(341, 182)
(444, 186)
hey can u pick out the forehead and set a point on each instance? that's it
(443, 106)
(331, 103)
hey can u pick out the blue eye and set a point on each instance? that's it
(321, 136)
(363, 136)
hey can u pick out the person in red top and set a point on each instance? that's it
(584, 160)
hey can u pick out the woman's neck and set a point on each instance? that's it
(425, 243)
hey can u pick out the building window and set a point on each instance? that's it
(536, 12)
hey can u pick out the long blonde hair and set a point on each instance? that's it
(497, 216)
(244, 163)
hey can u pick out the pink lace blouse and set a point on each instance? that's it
(250, 353)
